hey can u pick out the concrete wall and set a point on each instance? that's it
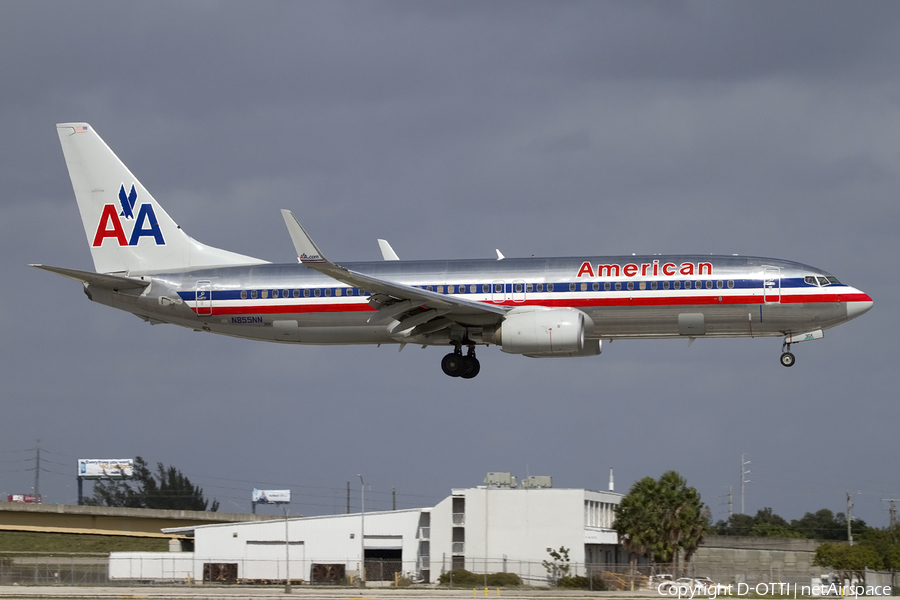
(138, 522)
(752, 560)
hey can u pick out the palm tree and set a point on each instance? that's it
(657, 518)
(636, 522)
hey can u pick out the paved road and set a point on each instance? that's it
(263, 593)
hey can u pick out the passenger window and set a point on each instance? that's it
(606, 286)
(296, 293)
(709, 285)
(643, 285)
(571, 287)
(653, 285)
(519, 288)
(676, 285)
(317, 292)
(243, 294)
(595, 286)
(440, 289)
(429, 288)
(529, 288)
(720, 284)
(540, 287)
(253, 294)
(328, 292)
(337, 291)
(274, 293)
(549, 287)
(583, 287)
(265, 293)
(306, 293)
(630, 286)
(666, 285)
(731, 284)
(618, 286)
(449, 289)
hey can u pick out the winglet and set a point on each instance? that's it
(386, 251)
(307, 251)
(499, 254)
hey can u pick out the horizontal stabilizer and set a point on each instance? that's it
(386, 251)
(112, 282)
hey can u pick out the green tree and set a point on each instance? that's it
(658, 518)
(636, 522)
(847, 560)
(167, 489)
(735, 525)
(820, 525)
(559, 567)
(765, 524)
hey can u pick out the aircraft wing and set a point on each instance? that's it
(112, 282)
(401, 299)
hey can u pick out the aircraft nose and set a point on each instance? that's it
(859, 307)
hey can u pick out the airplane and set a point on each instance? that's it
(147, 265)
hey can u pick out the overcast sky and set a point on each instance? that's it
(452, 129)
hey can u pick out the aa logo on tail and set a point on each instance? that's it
(145, 224)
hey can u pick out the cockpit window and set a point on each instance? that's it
(821, 280)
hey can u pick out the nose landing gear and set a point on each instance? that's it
(787, 358)
(457, 365)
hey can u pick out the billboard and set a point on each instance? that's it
(271, 496)
(24, 498)
(105, 468)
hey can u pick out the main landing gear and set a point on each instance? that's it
(457, 365)
(787, 358)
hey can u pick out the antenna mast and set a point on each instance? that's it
(744, 480)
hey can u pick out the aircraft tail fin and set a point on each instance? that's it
(128, 231)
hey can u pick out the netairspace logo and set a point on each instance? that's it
(771, 589)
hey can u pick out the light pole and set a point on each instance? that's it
(287, 554)
(362, 531)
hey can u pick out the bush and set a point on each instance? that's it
(503, 580)
(464, 578)
(580, 582)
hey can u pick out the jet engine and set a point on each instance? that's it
(546, 332)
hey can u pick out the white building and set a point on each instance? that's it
(494, 528)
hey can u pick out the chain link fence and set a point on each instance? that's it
(49, 569)
(184, 568)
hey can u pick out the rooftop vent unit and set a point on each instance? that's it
(500, 480)
(538, 481)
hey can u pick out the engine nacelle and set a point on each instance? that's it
(544, 331)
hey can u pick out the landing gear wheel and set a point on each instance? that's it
(787, 359)
(453, 364)
(471, 367)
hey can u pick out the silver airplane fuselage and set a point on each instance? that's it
(536, 307)
(733, 297)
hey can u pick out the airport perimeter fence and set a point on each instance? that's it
(184, 568)
(17, 568)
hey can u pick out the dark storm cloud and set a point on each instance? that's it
(561, 128)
